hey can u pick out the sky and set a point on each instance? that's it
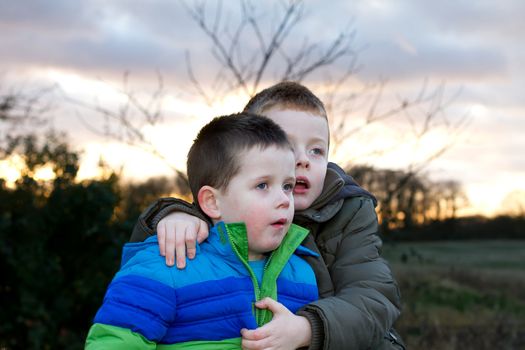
(473, 50)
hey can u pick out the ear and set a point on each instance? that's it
(209, 202)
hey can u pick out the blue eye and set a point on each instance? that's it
(288, 187)
(262, 186)
(317, 151)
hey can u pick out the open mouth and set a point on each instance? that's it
(301, 185)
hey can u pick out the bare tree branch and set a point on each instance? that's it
(247, 75)
(248, 51)
(222, 54)
(291, 17)
(195, 82)
(21, 112)
(125, 123)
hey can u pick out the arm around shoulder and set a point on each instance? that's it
(150, 217)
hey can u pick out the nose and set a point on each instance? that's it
(302, 161)
(283, 199)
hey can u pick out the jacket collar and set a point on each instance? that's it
(333, 183)
(224, 238)
(324, 208)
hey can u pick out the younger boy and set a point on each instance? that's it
(241, 171)
(359, 297)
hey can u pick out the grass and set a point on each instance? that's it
(466, 254)
(461, 294)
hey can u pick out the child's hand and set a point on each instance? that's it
(177, 234)
(284, 331)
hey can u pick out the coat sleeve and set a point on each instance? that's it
(147, 223)
(366, 299)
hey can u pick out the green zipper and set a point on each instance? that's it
(244, 261)
(285, 250)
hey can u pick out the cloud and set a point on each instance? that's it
(393, 60)
(410, 39)
(405, 39)
(479, 21)
(94, 35)
(473, 45)
(59, 16)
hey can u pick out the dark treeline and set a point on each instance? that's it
(474, 227)
(62, 238)
(409, 200)
(412, 207)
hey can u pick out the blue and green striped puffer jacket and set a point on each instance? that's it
(149, 305)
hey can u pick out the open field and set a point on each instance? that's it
(461, 294)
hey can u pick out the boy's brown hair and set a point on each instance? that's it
(287, 94)
(213, 158)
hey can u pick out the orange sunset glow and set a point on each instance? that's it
(480, 74)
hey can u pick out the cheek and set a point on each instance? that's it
(320, 174)
(254, 214)
(301, 204)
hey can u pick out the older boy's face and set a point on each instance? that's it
(260, 195)
(308, 133)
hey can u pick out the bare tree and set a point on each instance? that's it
(21, 111)
(273, 56)
(254, 48)
(127, 122)
(420, 201)
(242, 68)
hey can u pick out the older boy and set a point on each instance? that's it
(242, 172)
(359, 297)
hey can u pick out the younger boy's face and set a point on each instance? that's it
(260, 195)
(308, 133)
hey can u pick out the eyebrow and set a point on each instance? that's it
(269, 177)
(290, 178)
(318, 139)
(262, 178)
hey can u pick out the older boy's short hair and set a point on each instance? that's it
(213, 158)
(287, 94)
